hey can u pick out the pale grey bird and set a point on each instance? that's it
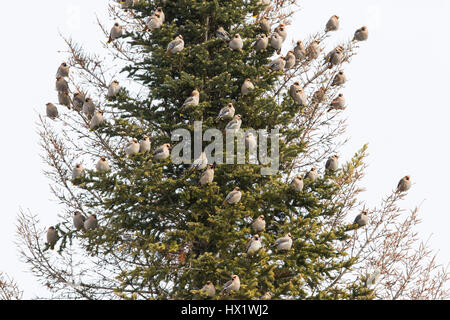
(277, 64)
(128, 4)
(209, 289)
(312, 174)
(267, 296)
(234, 125)
(192, 101)
(404, 184)
(78, 171)
(113, 89)
(89, 107)
(160, 12)
(51, 110)
(97, 120)
(293, 89)
(265, 25)
(154, 22)
(233, 285)
(236, 43)
(299, 51)
(102, 165)
(284, 243)
(373, 278)
(339, 79)
(222, 34)
(63, 70)
(362, 34)
(253, 245)
(64, 99)
(132, 148)
(145, 144)
(297, 183)
(250, 141)
(300, 97)
(335, 56)
(233, 197)
(200, 163)
(176, 45)
(281, 30)
(276, 41)
(116, 32)
(207, 176)
(332, 163)
(332, 24)
(290, 60)
(162, 152)
(338, 103)
(247, 86)
(78, 101)
(91, 223)
(226, 112)
(78, 220)
(319, 95)
(361, 219)
(261, 42)
(259, 224)
(313, 50)
(52, 237)
(61, 84)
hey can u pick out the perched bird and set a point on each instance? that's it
(176, 45)
(209, 289)
(284, 243)
(162, 152)
(78, 101)
(361, 219)
(234, 125)
(226, 112)
(313, 50)
(300, 97)
(64, 99)
(233, 197)
(250, 141)
(299, 51)
(335, 56)
(261, 42)
(61, 84)
(116, 32)
(52, 111)
(154, 22)
(293, 89)
(297, 183)
(236, 43)
(332, 24)
(332, 163)
(233, 285)
(113, 89)
(290, 60)
(102, 165)
(373, 278)
(159, 11)
(264, 25)
(247, 86)
(133, 147)
(78, 220)
(222, 34)
(267, 296)
(91, 223)
(362, 34)
(144, 144)
(404, 184)
(63, 70)
(200, 163)
(319, 95)
(276, 41)
(312, 174)
(207, 176)
(339, 79)
(52, 237)
(97, 120)
(338, 103)
(192, 101)
(259, 224)
(281, 30)
(253, 245)
(78, 171)
(89, 107)
(277, 64)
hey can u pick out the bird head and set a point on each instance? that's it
(64, 64)
(116, 24)
(103, 158)
(299, 42)
(237, 189)
(134, 140)
(256, 237)
(407, 178)
(167, 146)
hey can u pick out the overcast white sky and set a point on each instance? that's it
(396, 95)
